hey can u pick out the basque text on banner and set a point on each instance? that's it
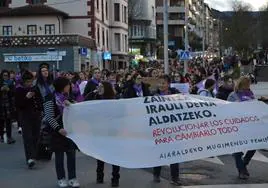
(162, 130)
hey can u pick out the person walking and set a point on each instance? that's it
(60, 144)
(136, 88)
(242, 93)
(29, 105)
(165, 89)
(90, 89)
(105, 91)
(6, 106)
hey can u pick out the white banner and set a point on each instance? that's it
(161, 130)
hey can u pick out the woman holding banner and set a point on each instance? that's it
(105, 91)
(164, 89)
(60, 143)
(242, 93)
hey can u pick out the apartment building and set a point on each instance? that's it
(34, 32)
(200, 22)
(142, 29)
(176, 22)
(104, 21)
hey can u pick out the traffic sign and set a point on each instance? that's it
(184, 55)
(83, 51)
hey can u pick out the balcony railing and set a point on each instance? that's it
(47, 40)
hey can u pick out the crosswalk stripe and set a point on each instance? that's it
(215, 160)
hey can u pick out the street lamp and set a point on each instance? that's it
(165, 14)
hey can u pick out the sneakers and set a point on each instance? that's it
(157, 179)
(31, 163)
(73, 183)
(19, 130)
(62, 183)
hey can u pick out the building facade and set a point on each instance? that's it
(33, 32)
(105, 21)
(142, 28)
(200, 23)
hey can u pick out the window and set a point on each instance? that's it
(50, 29)
(98, 6)
(117, 12)
(31, 29)
(107, 39)
(122, 8)
(102, 11)
(106, 10)
(125, 14)
(7, 30)
(103, 37)
(3, 3)
(117, 41)
(98, 35)
(126, 44)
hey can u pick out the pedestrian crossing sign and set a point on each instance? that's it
(184, 55)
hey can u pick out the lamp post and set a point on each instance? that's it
(165, 14)
(186, 40)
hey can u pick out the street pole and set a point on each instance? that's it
(165, 14)
(186, 42)
(58, 64)
(204, 33)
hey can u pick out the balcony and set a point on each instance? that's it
(171, 22)
(175, 9)
(148, 33)
(46, 40)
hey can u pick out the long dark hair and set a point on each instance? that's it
(1, 75)
(40, 80)
(109, 92)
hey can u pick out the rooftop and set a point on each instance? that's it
(31, 10)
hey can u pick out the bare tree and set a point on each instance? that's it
(240, 30)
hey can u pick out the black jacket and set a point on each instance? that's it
(223, 93)
(23, 104)
(131, 93)
(89, 90)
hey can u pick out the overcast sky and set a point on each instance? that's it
(224, 5)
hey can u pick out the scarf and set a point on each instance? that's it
(60, 98)
(96, 82)
(245, 95)
(138, 90)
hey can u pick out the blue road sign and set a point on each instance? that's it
(83, 51)
(184, 55)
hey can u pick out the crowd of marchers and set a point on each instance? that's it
(36, 100)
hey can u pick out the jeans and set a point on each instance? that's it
(30, 132)
(100, 171)
(6, 124)
(242, 163)
(71, 166)
(174, 171)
